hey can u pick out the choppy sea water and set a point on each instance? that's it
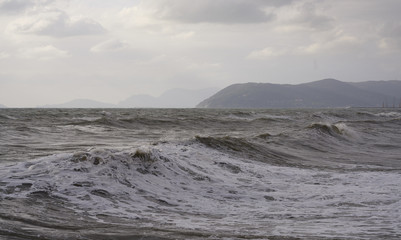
(200, 174)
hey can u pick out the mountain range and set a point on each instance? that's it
(326, 93)
(174, 98)
(81, 103)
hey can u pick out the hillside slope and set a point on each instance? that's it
(174, 98)
(318, 94)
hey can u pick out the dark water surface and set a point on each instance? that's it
(200, 174)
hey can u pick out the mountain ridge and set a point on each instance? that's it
(325, 93)
(80, 103)
(173, 98)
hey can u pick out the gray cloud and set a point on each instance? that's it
(14, 6)
(391, 29)
(18, 6)
(55, 23)
(313, 19)
(48, 52)
(214, 11)
(3, 55)
(112, 45)
(390, 34)
(309, 17)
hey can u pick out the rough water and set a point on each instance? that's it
(200, 174)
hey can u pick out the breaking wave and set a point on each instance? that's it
(336, 129)
(250, 149)
(188, 190)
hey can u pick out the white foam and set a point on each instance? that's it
(347, 130)
(389, 114)
(193, 187)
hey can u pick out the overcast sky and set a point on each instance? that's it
(53, 51)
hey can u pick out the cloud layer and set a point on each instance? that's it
(48, 52)
(14, 6)
(56, 23)
(112, 45)
(211, 11)
(109, 50)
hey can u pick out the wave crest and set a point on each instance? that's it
(257, 151)
(335, 130)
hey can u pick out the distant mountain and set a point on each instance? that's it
(319, 94)
(138, 101)
(390, 88)
(2, 106)
(174, 98)
(81, 103)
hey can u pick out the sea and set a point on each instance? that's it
(120, 174)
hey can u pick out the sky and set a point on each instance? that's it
(53, 51)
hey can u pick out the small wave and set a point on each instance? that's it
(105, 113)
(275, 117)
(4, 116)
(264, 135)
(336, 129)
(242, 114)
(251, 150)
(332, 115)
(259, 117)
(364, 113)
(267, 119)
(234, 144)
(104, 121)
(389, 114)
(126, 123)
(146, 121)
